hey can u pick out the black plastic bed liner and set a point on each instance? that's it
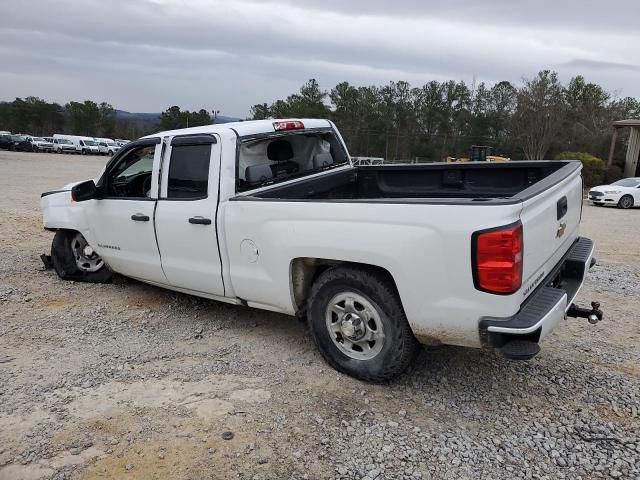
(445, 182)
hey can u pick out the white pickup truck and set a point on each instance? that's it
(274, 215)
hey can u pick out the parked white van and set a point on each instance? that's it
(84, 145)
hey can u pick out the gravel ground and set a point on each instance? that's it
(131, 381)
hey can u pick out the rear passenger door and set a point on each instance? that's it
(186, 214)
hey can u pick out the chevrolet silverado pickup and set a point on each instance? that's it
(273, 214)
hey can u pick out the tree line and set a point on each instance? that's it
(538, 118)
(35, 116)
(535, 120)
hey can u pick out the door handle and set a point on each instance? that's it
(139, 217)
(200, 221)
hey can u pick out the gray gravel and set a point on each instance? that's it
(616, 278)
(127, 380)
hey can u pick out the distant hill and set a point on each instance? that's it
(155, 117)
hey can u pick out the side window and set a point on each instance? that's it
(188, 171)
(131, 177)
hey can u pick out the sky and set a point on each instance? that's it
(146, 55)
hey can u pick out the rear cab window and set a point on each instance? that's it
(188, 177)
(265, 160)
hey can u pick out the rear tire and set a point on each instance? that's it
(381, 345)
(66, 261)
(625, 202)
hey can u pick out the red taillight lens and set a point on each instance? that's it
(497, 259)
(288, 125)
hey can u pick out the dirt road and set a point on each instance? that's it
(131, 381)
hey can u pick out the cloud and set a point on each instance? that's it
(147, 55)
(580, 63)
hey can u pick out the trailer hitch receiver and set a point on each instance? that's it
(593, 316)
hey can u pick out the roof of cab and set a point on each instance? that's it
(250, 127)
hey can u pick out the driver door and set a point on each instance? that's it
(121, 223)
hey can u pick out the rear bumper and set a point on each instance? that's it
(541, 312)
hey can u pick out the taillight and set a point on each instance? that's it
(288, 125)
(497, 259)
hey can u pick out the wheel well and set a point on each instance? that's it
(305, 271)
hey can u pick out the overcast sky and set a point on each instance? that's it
(145, 55)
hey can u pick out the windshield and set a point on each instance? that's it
(90, 143)
(281, 157)
(627, 182)
(112, 144)
(65, 141)
(38, 139)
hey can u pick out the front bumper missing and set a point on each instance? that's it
(517, 337)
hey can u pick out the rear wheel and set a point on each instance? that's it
(625, 202)
(74, 259)
(358, 324)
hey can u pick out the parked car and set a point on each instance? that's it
(103, 149)
(63, 145)
(113, 147)
(39, 144)
(6, 142)
(110, 146)
(624, 193)
(21, 143)
(273, 215)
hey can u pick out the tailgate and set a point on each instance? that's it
(550, 222)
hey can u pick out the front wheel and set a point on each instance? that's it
(358, 324)
(74, 259)
(625, 202)
(84, 152)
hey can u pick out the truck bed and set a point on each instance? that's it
(459, 182)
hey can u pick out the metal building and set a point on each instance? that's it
(632, 161)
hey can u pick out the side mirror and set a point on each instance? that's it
(84, 191)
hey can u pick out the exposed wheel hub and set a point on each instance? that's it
(85, 256)
(352, 327)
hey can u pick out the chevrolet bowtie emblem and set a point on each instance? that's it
(561, 228)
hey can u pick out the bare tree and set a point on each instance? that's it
(540, 114)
